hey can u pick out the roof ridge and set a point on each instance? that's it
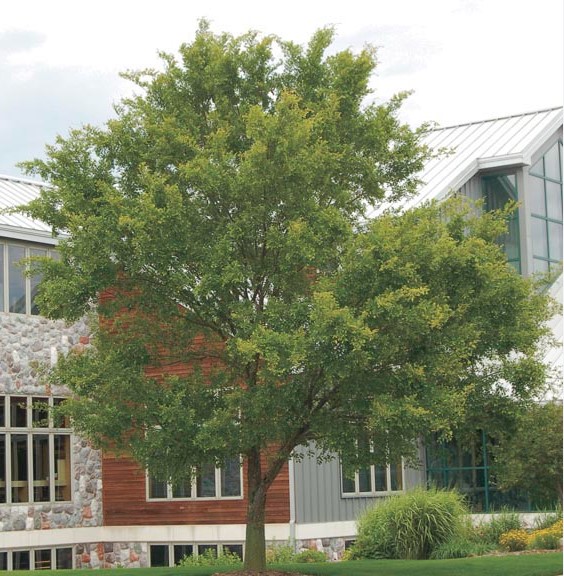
(23, 180)
(498, 118)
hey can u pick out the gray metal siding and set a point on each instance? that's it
(318, 492)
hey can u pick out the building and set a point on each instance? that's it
(63, 504)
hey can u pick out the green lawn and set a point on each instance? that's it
(549, 564)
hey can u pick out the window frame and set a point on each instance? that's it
(31, 431)
(5, 245)
(193, 489)
(219, 548)
(373, 492)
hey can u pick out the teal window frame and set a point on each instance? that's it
(534, 172)
(513, 220)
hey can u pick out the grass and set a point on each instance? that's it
(549, 564)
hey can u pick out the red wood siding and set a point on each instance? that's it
(125, 501)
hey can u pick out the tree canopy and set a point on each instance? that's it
(222, 217)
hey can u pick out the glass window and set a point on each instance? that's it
(182, 489)
(62, 467)
(231, 478)
(552, 164)
(18, 461)
(3, 561)
(20, 560)
(2, 411)
(40, 412)
(498, 190)
(2, 468)
(540, 241)
(63, 558)
(158, 554)
(374, 480)
(553, 200)
(16, 290)
(18, 412)
(157, 488)
(182, 551)
(205, 482)
(538, 168)
(555, 241)
(42, 559)
(236, 549)
(41, 481)
(537, 197)
(207, 549)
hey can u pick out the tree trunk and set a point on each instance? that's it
(255, 543)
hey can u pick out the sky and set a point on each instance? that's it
(464, 60)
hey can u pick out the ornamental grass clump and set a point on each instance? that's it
(410, 526)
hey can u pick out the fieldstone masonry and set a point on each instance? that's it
(111, 555)
(28, 343)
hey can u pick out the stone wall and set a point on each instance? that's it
(111, 555)
(27, 345)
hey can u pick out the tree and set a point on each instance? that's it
(221, 216)
(530, 457)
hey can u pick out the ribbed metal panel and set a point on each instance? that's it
(13, 192)
(512, 139)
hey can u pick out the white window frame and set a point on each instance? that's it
(4, 296)
(29, 431)
(193, 491)
(31, 551)
(358, 494)
(220, 548)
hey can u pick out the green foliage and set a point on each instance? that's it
(221, 216)
(280, 553)
(309, 556)
(461, 547)
(548, 538)
(549, 519)
(410, 526)
(503, 521)
(211, 558)
(514, 540)
(530, 457)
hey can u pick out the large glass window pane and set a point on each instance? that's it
(2, 468)
(2, 283)
(555, 240)
(538, 168)
(364, 480)
(35, 279)
(16, 290)
(231, 478)
(538, 232)
(537, 200)
(60, 419)
(157, 488)
(20, 560)
(182, 551)
(2, 411)
(381, 477)
(554, 200)
(540, 266)
(182, 489)
(552, 164)
(236, 549)
(62, 467)
(18, 412)
(40, 412)
(158, 554)
(3, 561)
(42, 559)
(205, 482)
(207, 550)
(396, 476)
(18, 449)
(64, 558)
(41, 492)
(348, 485)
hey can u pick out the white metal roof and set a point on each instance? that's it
(471, 147)
(16, 191)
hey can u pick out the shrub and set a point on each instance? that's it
(280, 553)
(547, 538)
(499, 524)
(311, 556)
(461, 547)
(410, 526)
(514, 540)
(211, 558)
(548, 520)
